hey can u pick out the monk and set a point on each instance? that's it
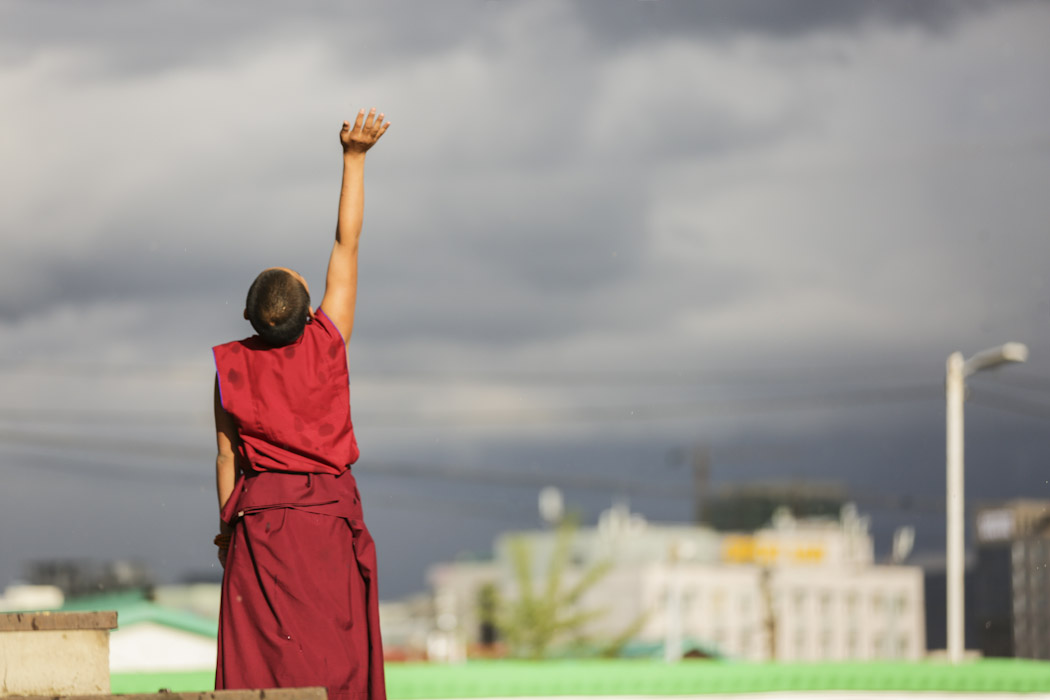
(299, 602)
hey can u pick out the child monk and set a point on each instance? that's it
(299, 603)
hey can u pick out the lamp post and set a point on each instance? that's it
(955, 391)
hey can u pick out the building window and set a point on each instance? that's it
(800, 644)
(852, 644)
(744, 642)
(718, 602)
(851, 604)
(688, 598)
(720, 638)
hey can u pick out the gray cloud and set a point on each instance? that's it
(733, 189)
(658, 20)
(150, 36)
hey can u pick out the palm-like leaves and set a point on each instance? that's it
(533, 623)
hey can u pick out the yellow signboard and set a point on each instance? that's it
(741, 549)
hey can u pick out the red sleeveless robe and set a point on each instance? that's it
(299, 595)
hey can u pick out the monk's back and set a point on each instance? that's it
(292, 403)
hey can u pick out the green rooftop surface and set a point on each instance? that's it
(132, 608)
(478, 679)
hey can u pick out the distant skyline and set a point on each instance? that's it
(596, 235)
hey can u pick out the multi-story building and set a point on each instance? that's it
(1011, 580)
(798, 589)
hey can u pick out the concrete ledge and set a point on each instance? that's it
(32, 621)
(55, 653)
(266, 694)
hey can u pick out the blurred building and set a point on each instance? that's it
(800, 589)
(406, 627)
(153, 638)
(83, 577)
(201, 599)
(1010, 581)
(28, 597)
(750, 506)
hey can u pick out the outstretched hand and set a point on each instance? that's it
(364, 133)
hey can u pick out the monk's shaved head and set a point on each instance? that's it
(278, 306)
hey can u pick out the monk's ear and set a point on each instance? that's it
(246, 315)
(309, 314)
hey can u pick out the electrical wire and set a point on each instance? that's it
(1010, 404)
(763, 375)
(559, 415)
(481, 476)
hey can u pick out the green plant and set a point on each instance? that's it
(545, 615)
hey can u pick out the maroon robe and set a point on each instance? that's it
(299, 596)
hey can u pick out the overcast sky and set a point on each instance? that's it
(596, 234)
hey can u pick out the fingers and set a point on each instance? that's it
(367, 128)
(378, 126)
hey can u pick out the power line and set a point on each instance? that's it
(534, 480)
(142, 448)
(1010, 404)
(763, 375)
(719, 407)
(484, 476)
(1019, 379)
(501, 512)
(491, 477)
(109, 471)
(676, 377)
(100, 416)
(540, 416)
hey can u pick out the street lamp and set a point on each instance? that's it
(955, 391)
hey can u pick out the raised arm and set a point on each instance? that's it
(340, 293)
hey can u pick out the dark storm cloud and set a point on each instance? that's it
(132, 37)
(153, 250)
(112, 273)
(541, 247)
(666, 187)
(527, 259)
(618, 23)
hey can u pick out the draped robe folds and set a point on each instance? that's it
(299, 593)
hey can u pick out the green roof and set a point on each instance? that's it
(132, 608)
(478, 679)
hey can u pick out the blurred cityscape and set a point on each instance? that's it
(767, 572)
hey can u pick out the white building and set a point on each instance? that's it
(798, 590)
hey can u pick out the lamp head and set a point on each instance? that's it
(993, 357)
